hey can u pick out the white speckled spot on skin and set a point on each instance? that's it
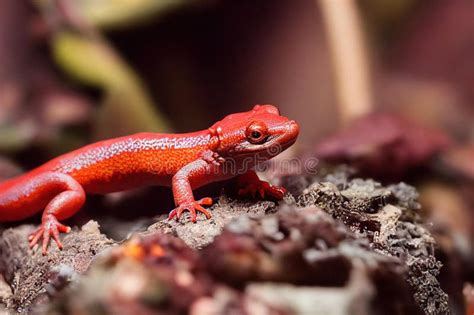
(129, 145)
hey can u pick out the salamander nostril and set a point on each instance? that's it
(294, 127)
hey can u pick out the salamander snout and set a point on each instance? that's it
(293, 128)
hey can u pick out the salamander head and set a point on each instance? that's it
(261, 131)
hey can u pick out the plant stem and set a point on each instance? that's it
(349, 58)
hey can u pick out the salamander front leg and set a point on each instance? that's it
(182, 183)
(193, 207)
(64, 205)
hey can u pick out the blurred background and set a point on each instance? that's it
(385, 86)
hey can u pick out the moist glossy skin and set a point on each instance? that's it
(229, 148)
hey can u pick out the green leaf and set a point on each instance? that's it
(127, 107)
(116, 13)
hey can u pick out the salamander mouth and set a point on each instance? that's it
(273, 146)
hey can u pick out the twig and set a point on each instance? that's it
(349, 57)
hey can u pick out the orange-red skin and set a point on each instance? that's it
(123, 170)
(183, 161)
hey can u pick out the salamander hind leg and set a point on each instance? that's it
(62, 206)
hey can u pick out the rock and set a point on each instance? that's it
(29, 273)
(5, 291)
(147, 274)
(392, 230)
(204, 231)
(322, 194)
(316, 256)
(406, 195)
(353, 298)
(343, 246)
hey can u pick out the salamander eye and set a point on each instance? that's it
(256, 132)
(255, 135)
